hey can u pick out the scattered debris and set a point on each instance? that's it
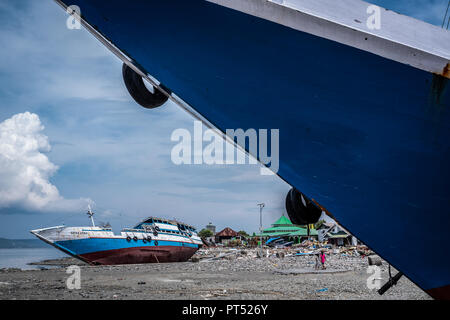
(309, 271)
(301, 257)
(374, 260)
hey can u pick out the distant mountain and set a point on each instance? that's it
(21, 243)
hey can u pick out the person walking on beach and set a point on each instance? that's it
(322, 259)
(317, 265)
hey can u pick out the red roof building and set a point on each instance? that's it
(226, 234)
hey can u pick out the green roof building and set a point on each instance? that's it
(284, 227)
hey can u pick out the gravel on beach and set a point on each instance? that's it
(216, 274)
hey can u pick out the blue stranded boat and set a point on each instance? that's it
(152, 240)
(360, 95)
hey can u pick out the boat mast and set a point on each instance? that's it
(91, 214)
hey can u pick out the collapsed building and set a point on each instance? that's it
(335, 235)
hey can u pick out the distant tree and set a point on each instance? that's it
(244, 234)
(205, 233)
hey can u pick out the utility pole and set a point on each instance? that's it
(261, 206)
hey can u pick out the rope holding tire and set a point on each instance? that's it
(156, 242)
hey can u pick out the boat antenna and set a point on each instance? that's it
(91, 215)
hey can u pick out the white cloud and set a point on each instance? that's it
(25, 170)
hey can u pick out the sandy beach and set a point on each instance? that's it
(216, 274)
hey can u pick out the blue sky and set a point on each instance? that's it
(97, 144)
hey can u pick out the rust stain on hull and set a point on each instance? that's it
(328, 213)
(438, 86)
(446, 71)
(442, 293)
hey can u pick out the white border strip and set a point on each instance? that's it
(400, 38)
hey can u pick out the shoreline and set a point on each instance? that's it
(61, 262)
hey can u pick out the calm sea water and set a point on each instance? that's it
(18, 258)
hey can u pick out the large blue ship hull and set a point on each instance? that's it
(366, 137)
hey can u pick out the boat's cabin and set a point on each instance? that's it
(152, 222)
(165, 224)
(185, 227)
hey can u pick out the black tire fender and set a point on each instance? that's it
(301, 210)
(293, 216)
(139, 92)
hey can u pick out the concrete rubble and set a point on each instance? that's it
(300, 257)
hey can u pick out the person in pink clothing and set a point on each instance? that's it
(322, 259)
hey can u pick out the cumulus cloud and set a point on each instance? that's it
(25, 170)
